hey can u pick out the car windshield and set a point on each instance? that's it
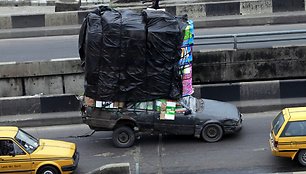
(28, 142)
(277, 123)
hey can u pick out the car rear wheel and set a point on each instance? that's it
(123, 137)
(48, 170)
(302, 157)
(212, 133)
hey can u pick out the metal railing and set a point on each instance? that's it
(245, 38)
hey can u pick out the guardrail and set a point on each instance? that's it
(234, 38)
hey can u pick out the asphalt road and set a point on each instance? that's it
(246, 152)
(46, 48)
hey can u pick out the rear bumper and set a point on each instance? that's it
(287, 153)
(274, 151)
(95, 120)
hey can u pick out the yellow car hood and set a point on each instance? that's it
(54, 148)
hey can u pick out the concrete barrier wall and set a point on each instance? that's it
(249, 65)
(236, 74)
(196, 11)
(42, 20)
(63, 18)
(38, 104)
(256, 7)
(47, 77)
(222, 8)
(40, 68)
(256, 90)
(26, 2)
(285, 5)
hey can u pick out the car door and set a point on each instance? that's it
(182, 124)
(292, 138)
(142, 113)
(296, 130)
(16, 161)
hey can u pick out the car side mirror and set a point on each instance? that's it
(187, 112)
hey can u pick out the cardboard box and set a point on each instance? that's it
(89, 101)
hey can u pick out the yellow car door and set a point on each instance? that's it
(294, 135)
(15, 161)
(299, 141)
(285, 147)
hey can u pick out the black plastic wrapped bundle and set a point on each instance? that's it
(111, 51)
(163, 54)
(133, 60)
(90, 47)
(122, 69)
(135, 55)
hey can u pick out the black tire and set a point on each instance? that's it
(302, 157)
(123, 137)
(212, 133)
(48, 170)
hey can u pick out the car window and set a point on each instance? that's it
(28, 142)
(189, 102)
(143, 105)
(277, 123)
(8, 147)
(18, 150)
(294, 128)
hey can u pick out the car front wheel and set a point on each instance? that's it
(302, 157)
(123, 137)
(212, 133)
(48, 170)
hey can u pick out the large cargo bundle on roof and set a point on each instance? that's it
(131, 56)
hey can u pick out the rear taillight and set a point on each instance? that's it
(275, 143)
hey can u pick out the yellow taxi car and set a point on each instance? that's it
(288, 134)
(22, 153)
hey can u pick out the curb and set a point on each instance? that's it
(37, 120)
(38, 104)
(116, 168)
(273, 104)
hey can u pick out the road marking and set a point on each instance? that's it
(64, 59)
(159, 153)
(302, 172)
(259, 149)
(7, 63)
(107, 154)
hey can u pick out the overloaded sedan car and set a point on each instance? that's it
(202, 118)
(22, 153)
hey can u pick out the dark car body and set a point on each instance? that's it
(197, 114)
